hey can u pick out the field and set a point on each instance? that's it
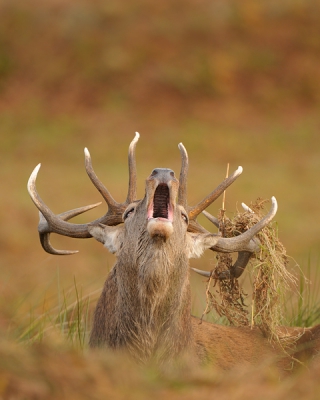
(237, 82)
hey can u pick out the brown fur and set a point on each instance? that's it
(228, 346)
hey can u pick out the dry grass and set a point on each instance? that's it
(52, 370)
(269, 273)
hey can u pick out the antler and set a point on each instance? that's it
(244, 244)
(51, 223)
(194, 211)
(232, 244)
(182, 194)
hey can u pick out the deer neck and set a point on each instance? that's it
(154, 301)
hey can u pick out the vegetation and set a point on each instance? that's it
(269, 274)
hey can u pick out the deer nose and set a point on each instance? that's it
(162, 175)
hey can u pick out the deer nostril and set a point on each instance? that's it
(172, 173)
(154, 172)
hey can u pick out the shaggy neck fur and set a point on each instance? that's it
(158, 298)
(148, 296)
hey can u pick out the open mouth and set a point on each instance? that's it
(160, 207)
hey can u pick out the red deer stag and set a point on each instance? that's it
(145, 305)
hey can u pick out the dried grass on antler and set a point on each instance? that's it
(270, 276)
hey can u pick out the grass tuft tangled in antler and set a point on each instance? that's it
(270, 276)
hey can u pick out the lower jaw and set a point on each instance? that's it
(160, 227)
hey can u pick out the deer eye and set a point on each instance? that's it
(127, 213)
(185, 218)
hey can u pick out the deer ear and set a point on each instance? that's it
(199, 242)
(195, 246)
(110, 236)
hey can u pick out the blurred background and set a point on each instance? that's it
(237, 81)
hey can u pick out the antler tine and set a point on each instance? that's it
(47, 246)
(206, 274)
(57, 223)
(132, 190)
(235, 271)
(182, 194)
(65, 216)
(211, 218)
(203, 204)
(247, 208)
(112, 204)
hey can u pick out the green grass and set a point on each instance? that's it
(70, 319)
(303, 309)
